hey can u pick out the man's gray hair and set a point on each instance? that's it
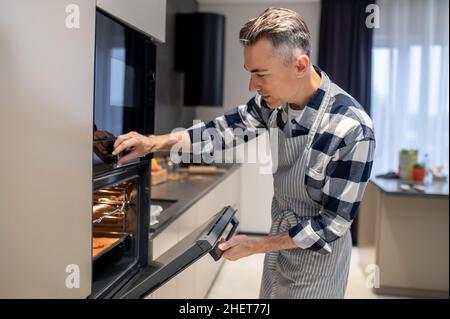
(283, 27)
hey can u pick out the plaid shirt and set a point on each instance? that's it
(339, 167)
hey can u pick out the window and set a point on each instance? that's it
(410, 80)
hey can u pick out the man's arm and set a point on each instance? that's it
(141, 145)
(343, 190)
(345, 181)
(238, 125)
(242, 246)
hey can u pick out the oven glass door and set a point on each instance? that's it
(120, 226)
(124, 72)
(202, 241)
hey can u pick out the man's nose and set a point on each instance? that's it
(253, 85)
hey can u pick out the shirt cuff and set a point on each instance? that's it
(305, 237)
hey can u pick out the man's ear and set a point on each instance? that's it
(302, 65)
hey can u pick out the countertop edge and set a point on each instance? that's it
(176, 211)
(379, 185)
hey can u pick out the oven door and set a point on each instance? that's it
(200, 242)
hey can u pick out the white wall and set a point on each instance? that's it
(257, 189)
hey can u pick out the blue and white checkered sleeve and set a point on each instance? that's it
(346, 178)
(231, 129)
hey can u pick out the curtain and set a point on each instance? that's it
(410, 75)
(345, 46)
(345, 49)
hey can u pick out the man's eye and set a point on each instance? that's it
(260, 75)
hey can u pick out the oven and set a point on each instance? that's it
(120, 226)
(73, 228)
(122, 264)
(124, 88)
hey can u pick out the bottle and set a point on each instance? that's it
(426, 161)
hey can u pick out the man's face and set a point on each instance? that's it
(276, 81)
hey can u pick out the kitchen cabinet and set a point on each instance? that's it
(196, 280)
(47, 89)
(406, 235)
(148, 17)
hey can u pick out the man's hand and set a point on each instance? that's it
(240, 246)
(140, 145)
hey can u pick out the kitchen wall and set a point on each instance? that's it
(170, 112)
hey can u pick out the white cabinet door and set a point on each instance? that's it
(187, 223)
(182, 285)
(162, 243)
(46, 105)
(205, 268)
(196, 280)
(147, 16)
(165, 240)
(224, 194)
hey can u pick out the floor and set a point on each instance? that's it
(241, 280)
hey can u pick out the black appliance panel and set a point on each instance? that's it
(124, 78)
(124, 94)
(199, 52)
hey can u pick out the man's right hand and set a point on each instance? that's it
(140, 145)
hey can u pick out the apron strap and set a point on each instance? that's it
(318, 118)
(320, 112)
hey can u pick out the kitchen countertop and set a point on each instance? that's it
(392, 186)
(185, 192)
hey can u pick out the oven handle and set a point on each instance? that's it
(216, 253)
(235, 224)
(108, 176)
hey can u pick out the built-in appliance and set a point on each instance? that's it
(122, 267)
(124, 101)
(200, 54)
(124, 78)
(124, 94)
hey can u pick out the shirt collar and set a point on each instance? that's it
(306, 120)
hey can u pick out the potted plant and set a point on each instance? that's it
(418, 172)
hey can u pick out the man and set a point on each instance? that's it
(325, 152)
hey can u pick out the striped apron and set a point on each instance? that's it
(301, 273)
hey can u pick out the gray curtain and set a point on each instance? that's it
(345, 52)
(345, 47)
